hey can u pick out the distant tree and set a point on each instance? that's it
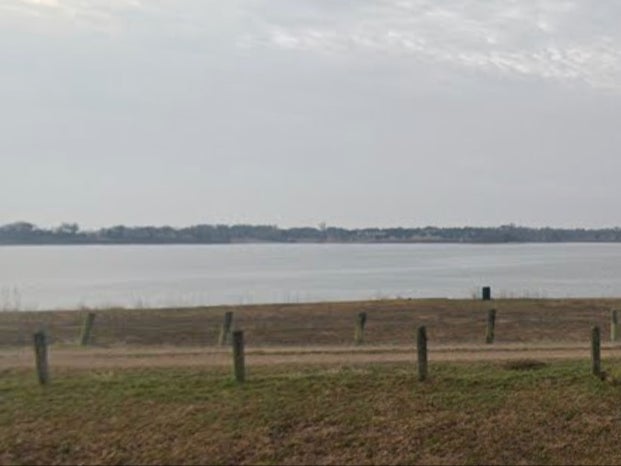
(68, 229)
(18, 227)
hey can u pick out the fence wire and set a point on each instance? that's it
(308, 324)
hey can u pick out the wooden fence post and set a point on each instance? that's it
(421, 347)
(486, 293)
(596, 352)
(361, 321)
(239, 364)
(87, 327)
(491, 325)
(614, 325)
(40, 348)
(225, 330)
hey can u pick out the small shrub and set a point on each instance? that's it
(524, 365)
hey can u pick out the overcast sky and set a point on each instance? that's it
(294, 112)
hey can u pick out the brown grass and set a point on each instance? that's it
(156, 390)
(465, 414)
(389, 322)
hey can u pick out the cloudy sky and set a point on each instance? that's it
(352, 112)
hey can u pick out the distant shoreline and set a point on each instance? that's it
(24, 233)
(293, 243)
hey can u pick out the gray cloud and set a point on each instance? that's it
(573, 42)
(353, 112)
(576, 42)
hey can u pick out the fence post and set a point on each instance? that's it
(361, 321)
(239, 364)
(491, 325)
(87, 327)
(421, 347)
(596, 352)
(40, 348)
(614, 325)
(225, 330)
(486, 293)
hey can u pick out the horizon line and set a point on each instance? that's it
(318, 226)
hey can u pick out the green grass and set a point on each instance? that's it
(465, 413)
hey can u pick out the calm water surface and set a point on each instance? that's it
(51, 277)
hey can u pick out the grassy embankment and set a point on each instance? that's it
(494, 412)
(389, 322)
(478, 413)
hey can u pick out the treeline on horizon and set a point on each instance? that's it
(70, 233)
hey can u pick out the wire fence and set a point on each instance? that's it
(390, 322)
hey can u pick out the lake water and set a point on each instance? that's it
(52, 277)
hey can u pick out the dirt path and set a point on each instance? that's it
(137, 357)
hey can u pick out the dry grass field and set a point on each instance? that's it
(389, 322)
(466, 413)
(154, 388)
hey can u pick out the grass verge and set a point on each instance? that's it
(483, 413)
(389, 322)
